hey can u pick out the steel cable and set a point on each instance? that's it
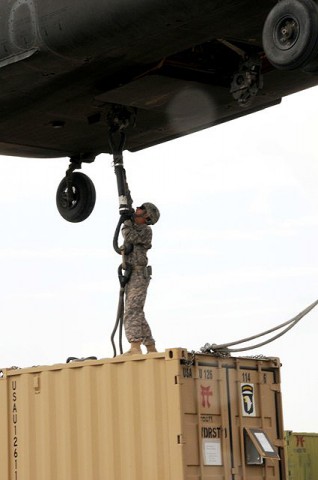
(224, 347)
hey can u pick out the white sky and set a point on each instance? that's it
(234, 253)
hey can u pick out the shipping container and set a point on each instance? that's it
(302, 453)
(164, 416)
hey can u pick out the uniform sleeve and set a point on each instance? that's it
(137, 234)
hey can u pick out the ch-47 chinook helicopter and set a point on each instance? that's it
(72, 72)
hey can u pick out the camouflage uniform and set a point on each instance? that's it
(136, 325)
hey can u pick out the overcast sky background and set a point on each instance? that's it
(235, 251)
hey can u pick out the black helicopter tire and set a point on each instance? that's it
(290, 34)
(82, 201)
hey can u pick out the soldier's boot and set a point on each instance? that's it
(151, 348)
(134, 349)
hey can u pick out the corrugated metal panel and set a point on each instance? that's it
(149, 417)
(302, 452)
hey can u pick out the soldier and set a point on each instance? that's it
(138, 233)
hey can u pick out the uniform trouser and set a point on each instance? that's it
(136, 325)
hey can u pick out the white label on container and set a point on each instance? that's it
(212, 452)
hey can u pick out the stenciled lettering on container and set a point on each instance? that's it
(205, 373)
(206, 418)
(212, 432)
(187, 372)
(15, 455)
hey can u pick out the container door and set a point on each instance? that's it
(214, 437)
(254, 422)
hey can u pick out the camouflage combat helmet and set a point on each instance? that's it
(152, 212)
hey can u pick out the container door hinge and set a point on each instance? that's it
(36, 384)
(275, 387)
(180, 439)
(178, 380)
(280, 443)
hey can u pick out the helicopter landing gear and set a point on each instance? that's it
(76, 195)
(290, 34)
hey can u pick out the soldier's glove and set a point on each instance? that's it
(127, 215)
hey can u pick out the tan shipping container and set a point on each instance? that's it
(302, 453)
(163, 416)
